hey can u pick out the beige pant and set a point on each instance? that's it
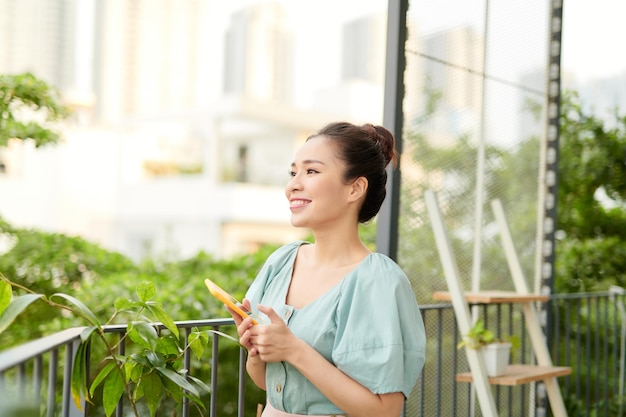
(270, 411)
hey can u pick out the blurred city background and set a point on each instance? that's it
(187, 113)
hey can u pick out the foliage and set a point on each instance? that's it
(23, 97)
(577, 406)
(479, 336)
(106, 277)
(49, 262)
(150, 373)
(592, 228)
(587, 265)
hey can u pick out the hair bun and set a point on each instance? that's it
(384, 138)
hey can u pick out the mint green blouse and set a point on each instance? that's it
(368, 325)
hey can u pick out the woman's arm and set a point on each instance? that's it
(275, 342)
(256, 369)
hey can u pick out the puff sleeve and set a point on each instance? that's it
(380, 340)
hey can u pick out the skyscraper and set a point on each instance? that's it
(39, 36)
(363, 49)
(259, 54)
(148, 57)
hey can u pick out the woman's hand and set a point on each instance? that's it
(254, 365)
(274, 342)
(242, 327)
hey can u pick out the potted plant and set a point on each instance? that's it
(496, 351)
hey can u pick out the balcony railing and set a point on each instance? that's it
(587, 333)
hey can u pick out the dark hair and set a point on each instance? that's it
(366, 150)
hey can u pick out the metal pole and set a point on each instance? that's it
(480, 168)
(480, 186)
(615, 290)
(387, 222)
(549, 186)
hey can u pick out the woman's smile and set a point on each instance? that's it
(298, 203)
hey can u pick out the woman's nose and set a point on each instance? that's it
(294, 183)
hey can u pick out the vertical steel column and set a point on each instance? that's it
(395, 62)
(550, 180)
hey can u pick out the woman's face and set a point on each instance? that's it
(317, 194)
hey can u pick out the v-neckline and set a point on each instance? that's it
(326, 293)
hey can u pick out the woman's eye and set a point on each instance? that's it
(311, 171)
(292, 174)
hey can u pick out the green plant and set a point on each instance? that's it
(47, 263)
(25, 94)
(479, 336)
(149, 373)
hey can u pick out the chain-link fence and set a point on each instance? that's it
(473, 122)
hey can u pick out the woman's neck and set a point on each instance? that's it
(338, 249)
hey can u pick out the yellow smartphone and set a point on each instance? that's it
(231, 302)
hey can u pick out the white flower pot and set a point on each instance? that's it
(496, 357)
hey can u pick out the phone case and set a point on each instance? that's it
(231, 301)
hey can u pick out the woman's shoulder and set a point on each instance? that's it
(379, 263)
(378, 271)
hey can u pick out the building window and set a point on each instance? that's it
(242, 164)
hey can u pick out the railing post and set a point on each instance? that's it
(187, 366)
(69, 409)
(241, 398)
(214, 362)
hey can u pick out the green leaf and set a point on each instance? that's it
(14, 309)
(146, 290)
(138, 391)
(172, 390)
(199, 383)
(178, 380)
(133, 370)
(122, 304)
(140, 359)
(104, 372)
(82, 309)
(163, 317)
(194, 398)
(152, 391)
(197, 343)
(5, 295)
(87, 332)
(227, 336)
(155, 359)
(79, 375)
(143, 334)
(168, 346)
(112, 392)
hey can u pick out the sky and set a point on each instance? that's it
(593, 37)
(593, 30)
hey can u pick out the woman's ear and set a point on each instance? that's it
(358, 188)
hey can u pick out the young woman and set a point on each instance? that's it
(344, 334)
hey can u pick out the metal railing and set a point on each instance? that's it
(31, 356)
(587, 334)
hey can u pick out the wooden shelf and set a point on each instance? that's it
(521, 374)
(493, 297)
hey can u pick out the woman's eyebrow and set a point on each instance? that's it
(309, 161)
